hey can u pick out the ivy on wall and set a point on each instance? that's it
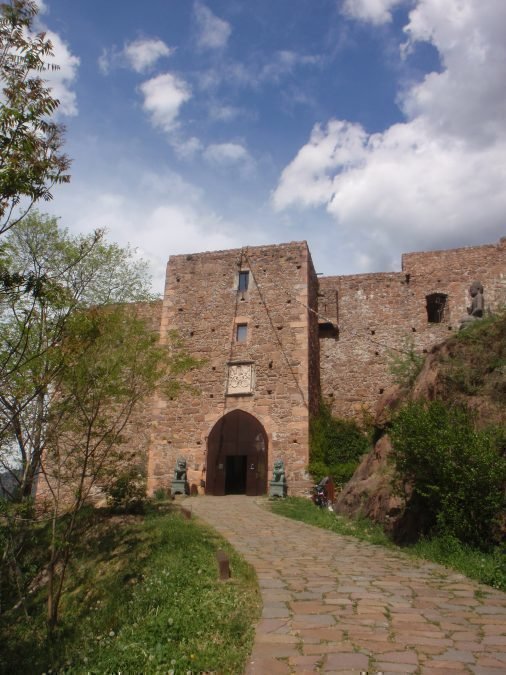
(336, 446)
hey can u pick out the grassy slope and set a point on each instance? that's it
(142, 596)
(472, 369)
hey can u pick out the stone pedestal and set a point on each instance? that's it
(179, 487)
(277, 489)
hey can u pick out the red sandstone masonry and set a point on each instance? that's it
(293, 360)
(203, 306)
(137, 431)
(376, 313)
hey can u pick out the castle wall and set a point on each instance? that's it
(377, 314)
(306, 337)
(137, 431)
(313, 341)
(203, 306)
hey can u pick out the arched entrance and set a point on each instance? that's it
(237, 456)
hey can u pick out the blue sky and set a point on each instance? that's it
(367, 127)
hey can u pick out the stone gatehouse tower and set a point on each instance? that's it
(250, 316)
(273, 338)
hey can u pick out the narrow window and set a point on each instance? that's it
(436, 307)
(241, 332)
(243, 281)
(326, 329)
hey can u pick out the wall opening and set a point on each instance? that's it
(241, 332)
(326, 329)
(236, 471)
(436, 307)
(237, 456)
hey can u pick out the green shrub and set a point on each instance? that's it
(127, 492)
(336, 446)
(318, 470)
(453, 474)
(342, 473)
(160, 494)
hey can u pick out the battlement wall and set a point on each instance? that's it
(379, 315)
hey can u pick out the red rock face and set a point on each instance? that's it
(370, 493)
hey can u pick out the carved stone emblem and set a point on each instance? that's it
(240, 378)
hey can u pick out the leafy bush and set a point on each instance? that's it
(127, 492)
(488, 568)
(477, 360)
(336, 446)
(453, 475)
(160, 494)
(342, 473)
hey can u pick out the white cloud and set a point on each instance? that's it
(61, 80)
(285, 62)
(109, 59)
(467, 99)
(267, 69)
(374, 11)
(438, 178)
(224, 113)
(226, 153)
(139, 55)
(309, 178)
(163, 97)
(161, 215)
(144, 53)
(213, 32)
(186, 148)
(42, 7)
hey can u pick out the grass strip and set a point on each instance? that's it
(143, 596)
(486, 567)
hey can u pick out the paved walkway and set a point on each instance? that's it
(333, 604)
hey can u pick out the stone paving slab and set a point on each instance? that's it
(333, 604)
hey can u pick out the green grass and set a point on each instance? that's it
(142, 597)
(302, 509)
(486, 567)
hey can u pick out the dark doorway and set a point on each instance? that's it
(237, 456)
(235, 475)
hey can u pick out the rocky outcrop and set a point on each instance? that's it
(369, 492)
(468, 370)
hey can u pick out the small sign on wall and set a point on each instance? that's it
(240, 378)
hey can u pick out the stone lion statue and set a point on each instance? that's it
(180, 470)
(278, 473)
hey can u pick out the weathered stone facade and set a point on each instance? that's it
(254, 345)
(377, 314)
(272, 338)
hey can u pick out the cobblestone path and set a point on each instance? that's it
(333, 604)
